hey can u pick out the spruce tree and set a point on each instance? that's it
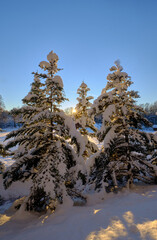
(44, 151)
(85, 123)
(123, 157)
(60, 166)
(82, 118)
(27, 137)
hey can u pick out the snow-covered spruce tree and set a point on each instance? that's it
(60, 167)
(123, 157)
(83, 121)
(32, 102)
(26, 138)
(43, 152)
(82, 118)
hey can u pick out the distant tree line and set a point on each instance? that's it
(150, 111)
(150, 108)
(8, 118)
(11, 118)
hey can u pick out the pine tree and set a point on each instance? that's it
(44, 154)
(82, 118)
(26, 137)
(123, 156)
(57, 167)
(83, 121)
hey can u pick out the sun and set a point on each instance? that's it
(73, 110)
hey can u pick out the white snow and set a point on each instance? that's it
(44, 65)
(58, 79)
(128, 215)
(52, 56)
(16, 190)
(7, 160)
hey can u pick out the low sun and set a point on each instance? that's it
(74, 110)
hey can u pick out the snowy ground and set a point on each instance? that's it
(7, 160)
(129, 215)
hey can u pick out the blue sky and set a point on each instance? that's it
(87, 35)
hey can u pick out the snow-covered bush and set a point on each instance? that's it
(123, 157)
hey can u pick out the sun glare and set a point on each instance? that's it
(74, 110)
